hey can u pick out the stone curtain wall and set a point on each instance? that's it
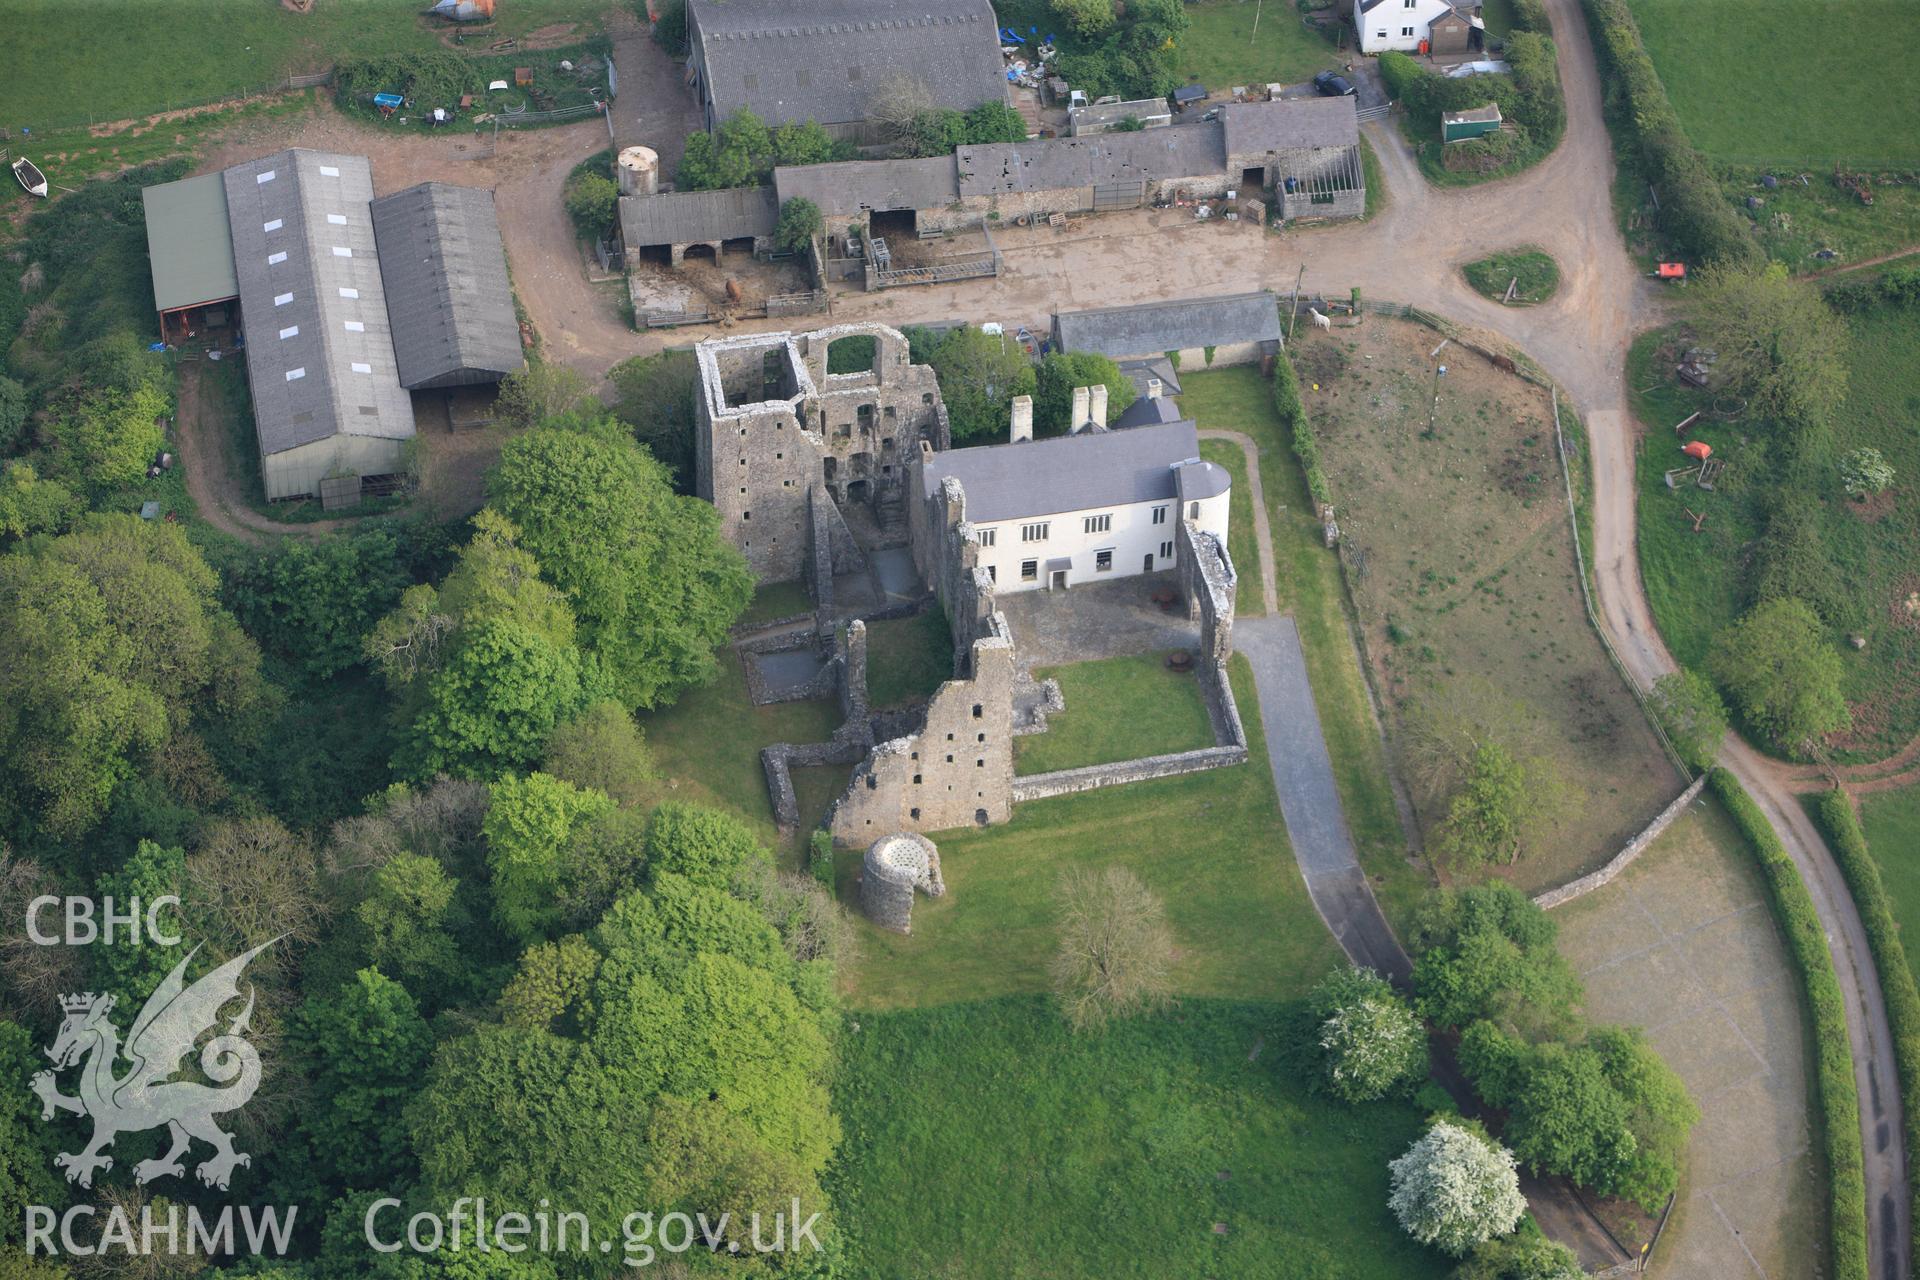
(1207, 579)
(1635, 847)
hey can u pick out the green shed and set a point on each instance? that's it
(1463, 126)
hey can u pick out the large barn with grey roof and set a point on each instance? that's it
(821, 60)
(347, 304)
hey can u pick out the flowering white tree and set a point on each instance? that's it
(1454, 1189)
(1370, 1041)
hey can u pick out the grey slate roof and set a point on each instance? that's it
(1045, 164)
(687, 217)
(848, 186)
(1291, 124)
(1067, 473)
(821, 59)
(1153, 366)
(1176, 325)
(302, 234)
(1147, 411)
(445, 275)
(188, 242)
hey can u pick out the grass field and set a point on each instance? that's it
(1211, 844)
(908, 658)
(1696, 583)
(1806, 82)
(1222, 49)
(1468, 597)
(1117, 709)
(1311, 589)
(985, 1139)
(70, 63)
(778, 600)
(1242, 539)
(1891, 821)
(1533, 274)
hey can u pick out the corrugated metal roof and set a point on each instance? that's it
(848, 186)
(1068, 473)
(822, 59)
(188, 242)
(445, 275)
(1291, 124)
(1175, 325)
(319, 354)
(688, 217)
(1045, 164)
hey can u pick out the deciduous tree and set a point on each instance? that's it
(1059, 373)
(654, 396)
(1370, 1043)
(1456, 1188)
(704, 845)
(647, 573)
(979, 376)
(1690, 710)
(366, 1045)
(1782, 673)
(1778, 342)
(1116, 950)
(529, 825)
(601, 749)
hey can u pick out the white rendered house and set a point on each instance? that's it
(1402, 25)
(1083, 508)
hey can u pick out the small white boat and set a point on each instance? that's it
(30, 177)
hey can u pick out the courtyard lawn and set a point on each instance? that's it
(1211, 844)
(707, 745)
(986, 1139)
(1242, 538)
(1117, 709)
(65, 63)
(1697, 583)
(1793, 82)
(777, 600)
(1457, 546)
(1311, 589)
(908, 658)
(1533, 274)
(1891, 822)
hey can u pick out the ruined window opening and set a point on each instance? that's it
(949, 759)
(978, 708)
(993, 574)
(914, 814)
(979, 737)
(873, 783)
(980, 817)
(916, 779)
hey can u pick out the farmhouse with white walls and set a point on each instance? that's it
(1418, 26)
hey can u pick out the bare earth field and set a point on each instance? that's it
(1461, 564)
(1683, 945)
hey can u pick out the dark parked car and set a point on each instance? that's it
(1332, 84)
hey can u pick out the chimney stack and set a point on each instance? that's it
(1097, 411)
(1153, 388)
(1079, 419)
(1022, 428)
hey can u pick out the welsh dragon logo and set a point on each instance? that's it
(147, 1096)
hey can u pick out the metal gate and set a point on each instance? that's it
(1119, 195)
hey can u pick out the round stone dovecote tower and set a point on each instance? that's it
(894, 867)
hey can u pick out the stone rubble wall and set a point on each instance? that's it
(1620, 861)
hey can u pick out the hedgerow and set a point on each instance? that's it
(1897, 984)
(1833, 1053)
(1694, 212)
(1293, 417)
